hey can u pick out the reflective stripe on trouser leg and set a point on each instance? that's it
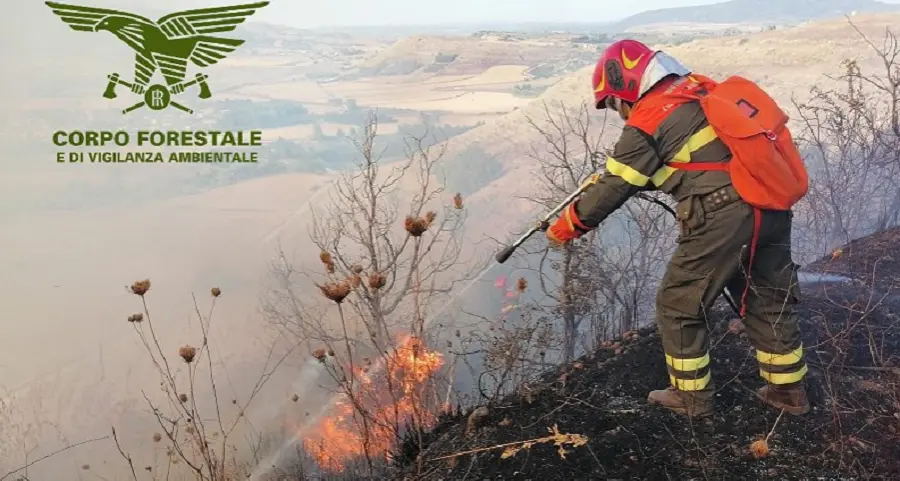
(689, 374)
(787, 368)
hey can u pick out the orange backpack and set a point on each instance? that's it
(766, 168)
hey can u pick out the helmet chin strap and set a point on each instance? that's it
(616, 104)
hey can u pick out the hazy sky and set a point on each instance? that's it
(308, 13)
(368, 12)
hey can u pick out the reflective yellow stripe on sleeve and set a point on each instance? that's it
(692, 364)
(694, 143)
(630, 175)
(784, 378)
(792, 357)
(691, 384)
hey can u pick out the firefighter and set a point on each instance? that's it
(717, 227)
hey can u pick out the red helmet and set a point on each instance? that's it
(628, 69)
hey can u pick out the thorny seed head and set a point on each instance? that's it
(216, 292)
(377, 280)
(430, 216)
(319, 354)
(354, 280)
(295, 398)
(327, 261)
(335, 291)
(331, 352)
(357, 268)
(140, 287)
(136, 317)
(759, 449)
(522, 284)
(157, 437)
(183, 398)
(415, 226)
(187, 353)
(458, 201)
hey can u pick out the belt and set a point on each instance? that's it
(719, 198)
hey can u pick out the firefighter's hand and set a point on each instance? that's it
(567, 227)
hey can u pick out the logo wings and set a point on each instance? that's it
(200, 25)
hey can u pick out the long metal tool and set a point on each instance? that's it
(544, 224)
(541, 225)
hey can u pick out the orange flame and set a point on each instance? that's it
(347, 434)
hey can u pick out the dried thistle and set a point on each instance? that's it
(357, 268)
(335, 291)
(331, 352)
(187, 353)
(157, 437)
(140, 287)
(319, 354)
(759, 448)
(377, 280)
(354, 280)
(183, 398)
(136, 317)
(522, 284)
(327, 261)
(415, 226)
(430, 216)
(561, 440)
(458, 201)
(216, 292)
(295, 398)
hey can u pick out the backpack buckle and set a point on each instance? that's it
(771, 135)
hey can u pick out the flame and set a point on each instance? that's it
(345, 434)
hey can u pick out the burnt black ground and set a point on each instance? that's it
(853, 431)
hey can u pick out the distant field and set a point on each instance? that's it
(486, 93)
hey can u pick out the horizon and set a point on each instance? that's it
(575, 12)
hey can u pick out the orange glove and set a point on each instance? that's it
(567, 227)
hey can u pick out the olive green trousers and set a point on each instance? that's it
(712, 254)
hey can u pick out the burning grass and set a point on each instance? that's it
(368, 421)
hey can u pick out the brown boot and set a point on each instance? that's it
(792, 398)
(692, 403)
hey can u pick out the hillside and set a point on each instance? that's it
(851, 432)
(464, 55)
(753, 11)
(786, 62)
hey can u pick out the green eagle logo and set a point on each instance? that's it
(167, 45)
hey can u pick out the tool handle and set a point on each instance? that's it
(121, 82)
(503, 255)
